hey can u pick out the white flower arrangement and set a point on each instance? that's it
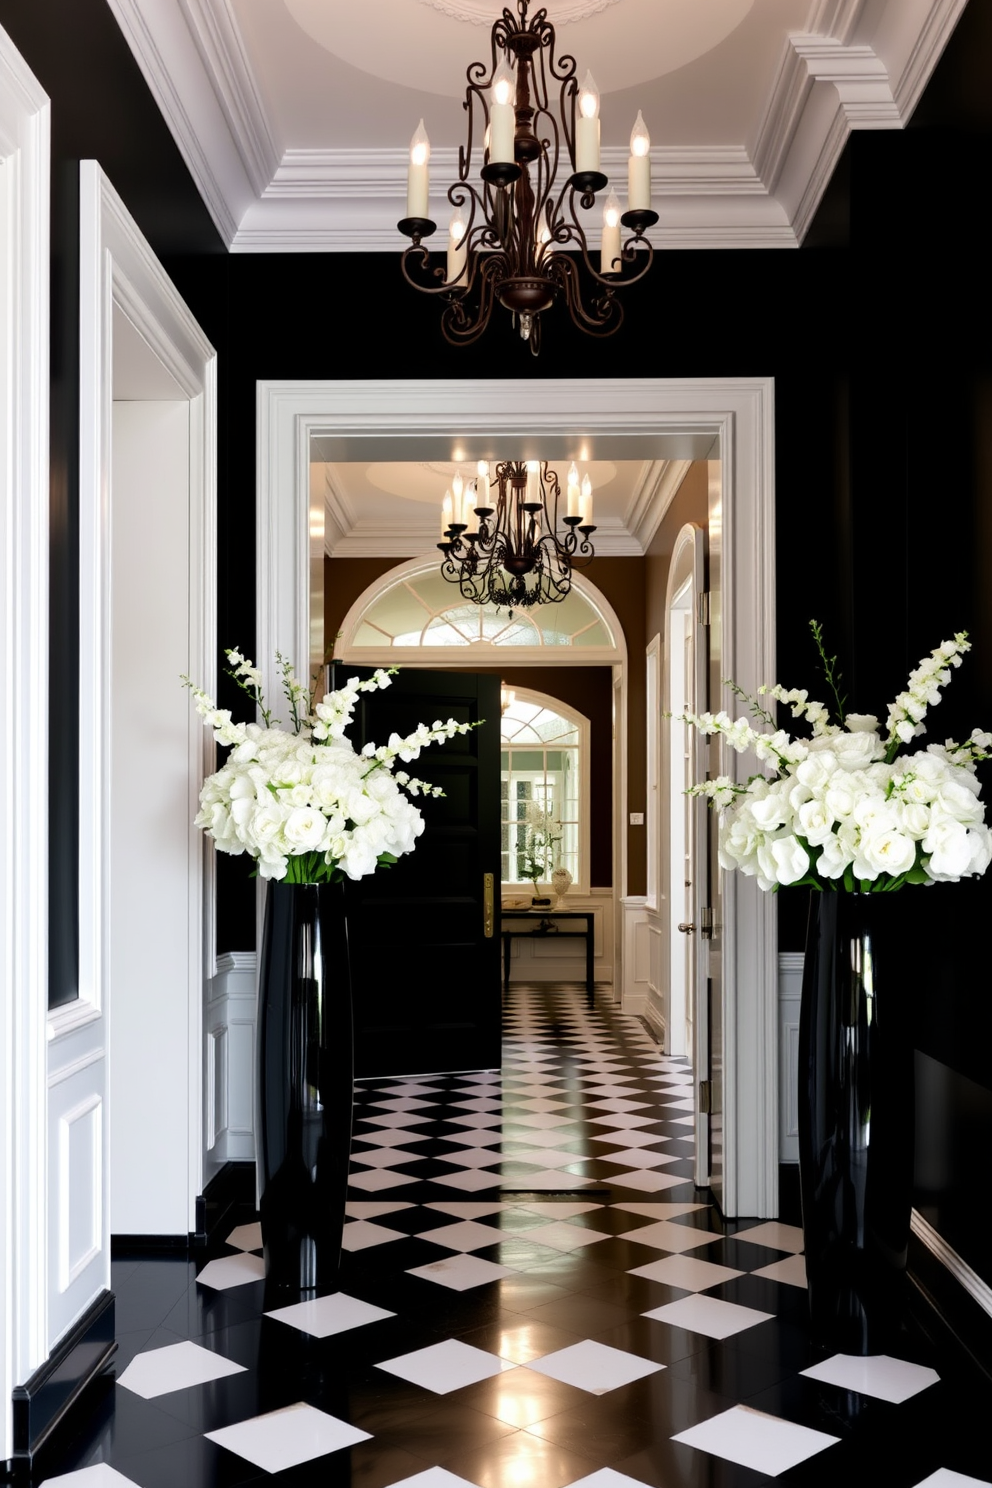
(302, 802)
(542, 833)
(846, 808)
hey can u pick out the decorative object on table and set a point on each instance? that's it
(561, 881)
(854, 814)
(524, 542)
(311, 812)
(536, 851)
(515, 236)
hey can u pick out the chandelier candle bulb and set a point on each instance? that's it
(609, 254)
(447, 513)
(585, 503)
(639, 168)
(502, 120)
(533, 482)
(587, 127)
(573, 491)
(418, 189)
(457, 488)
(457, 248)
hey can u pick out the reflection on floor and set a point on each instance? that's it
(533, 1295)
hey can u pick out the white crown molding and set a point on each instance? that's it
(652, 498)
(215, 31)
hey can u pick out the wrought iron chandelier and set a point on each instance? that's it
(516, 555)
(514, 236)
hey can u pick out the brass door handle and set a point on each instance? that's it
(687, 929)
(488, 905)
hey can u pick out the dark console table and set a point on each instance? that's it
(537, 924)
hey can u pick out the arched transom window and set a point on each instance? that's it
(543, 779)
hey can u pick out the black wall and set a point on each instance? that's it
(877, 335)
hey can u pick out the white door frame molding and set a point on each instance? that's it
(24, 584)
(736, 416)
(119, 270)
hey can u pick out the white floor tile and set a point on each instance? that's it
(472, 1157)
(467, 1208)
(554, 1180)
(564, 1236)
(478, 1103)
(686, 1272)
(564, 1210)
(461, 1272)
(682, 1121)
(878, 1375)
(945, 1478)
(409, 1087)
(177, 1366)
(791, 1271)
(631, 1138)
(375, 1208)
(246, 1237)
(752, 1439)
(404, 1103)
(323, 1316)
(679, 1105)
(470, 1180)
(381, 1157)
(373, 1180)
(622, 1120)
(284, 1438)
(399, 1119)
(619, 1103)
(360, 1234)
(594, 1366)
(708, 1315)
(446, 1366)
(97, 1476)
(433, 1477)
(465, 1138)
(607, 1477)
(658, 1210)
(232, 1271)
(640, 1158)
(476, 1120)
(649, 1182)
(545, 1157)
(391, 1137)
(545, 1138)
(776, 1236)
(669, 1235)
(465, 1235)
(541, 1119)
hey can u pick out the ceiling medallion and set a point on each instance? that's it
(519, 551)
(479, 12)
(514, 237)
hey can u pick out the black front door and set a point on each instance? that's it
(425, 933)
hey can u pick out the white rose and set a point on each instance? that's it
(953, 848)
(815, 772)
(852, 751)
(840, 797)
(861, 723)
(834, 858)
(783, 860)
(816, 822)
(304, 829)
(887, 851)
(770, 813)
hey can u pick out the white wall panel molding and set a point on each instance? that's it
(229, 1062)
(553, 960)
(24, 393)
(636, 958)
(790, 988)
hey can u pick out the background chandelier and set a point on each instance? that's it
(510, 226)
(515, 555)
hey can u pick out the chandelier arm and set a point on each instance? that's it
(417, 259)
(604, 317)
(459, 326)
(472, 92)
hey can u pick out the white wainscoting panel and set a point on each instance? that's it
(790, 987)
(229, 1062)
(556, 960)
(76, 1191)
(636, 956)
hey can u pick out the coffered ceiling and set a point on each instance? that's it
(294, 116)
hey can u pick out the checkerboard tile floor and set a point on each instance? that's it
(532, 1295)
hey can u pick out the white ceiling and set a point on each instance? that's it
(294, 116)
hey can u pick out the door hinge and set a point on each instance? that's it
(706, 923)
(705, 1097)
(703, 607)
(488, 904)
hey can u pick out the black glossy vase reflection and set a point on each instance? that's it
(305, 1082)
(855, 1122)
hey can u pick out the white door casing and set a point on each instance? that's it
(24, 584)
(421, 420)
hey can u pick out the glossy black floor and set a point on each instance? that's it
(534, 1296)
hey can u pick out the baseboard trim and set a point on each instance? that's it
(45, 1399)
(957, 1303)
(228, 1191)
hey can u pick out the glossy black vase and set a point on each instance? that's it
(855, 1122)
(305, 1082)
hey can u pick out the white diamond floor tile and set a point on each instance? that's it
(382, 1157)
(410, 1087)
(246, 1237)
(447, 1366)
(285, 1438)
(564, 1236)
(470, 1180)
(657, 1210)
(540, 1120)
(321, 1317)
(682, 1121)
(640, 1158)
(375, 1208)
(708, 1315)
(686, 1272)
(563, 1210)
(477, 1120)
(791, 1271)
(678, 1105)
(622, 1120)
(467, 1234)
(649, 1182)
(487, 1138)
(632, 1138)
(776, 1236)
(554, 1180)
(232, 1271)
(462, 1272)
(942, 1478)
(361, 1234)
(607, 1477)
(391, 1137)
(177, 1366)
(594, 1366)
(879, 1376)
(526, 1137)
(472, 1157)
(404, 1103)
(669, 1235)
(467, 1208)
(752, 1439)
(97, 1476)
(545, 1157)
(434, 1477)
(398, 1119)
(619, 1103)
(373, 1180)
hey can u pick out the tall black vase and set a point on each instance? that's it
(855, 1122)
(305, 1082)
